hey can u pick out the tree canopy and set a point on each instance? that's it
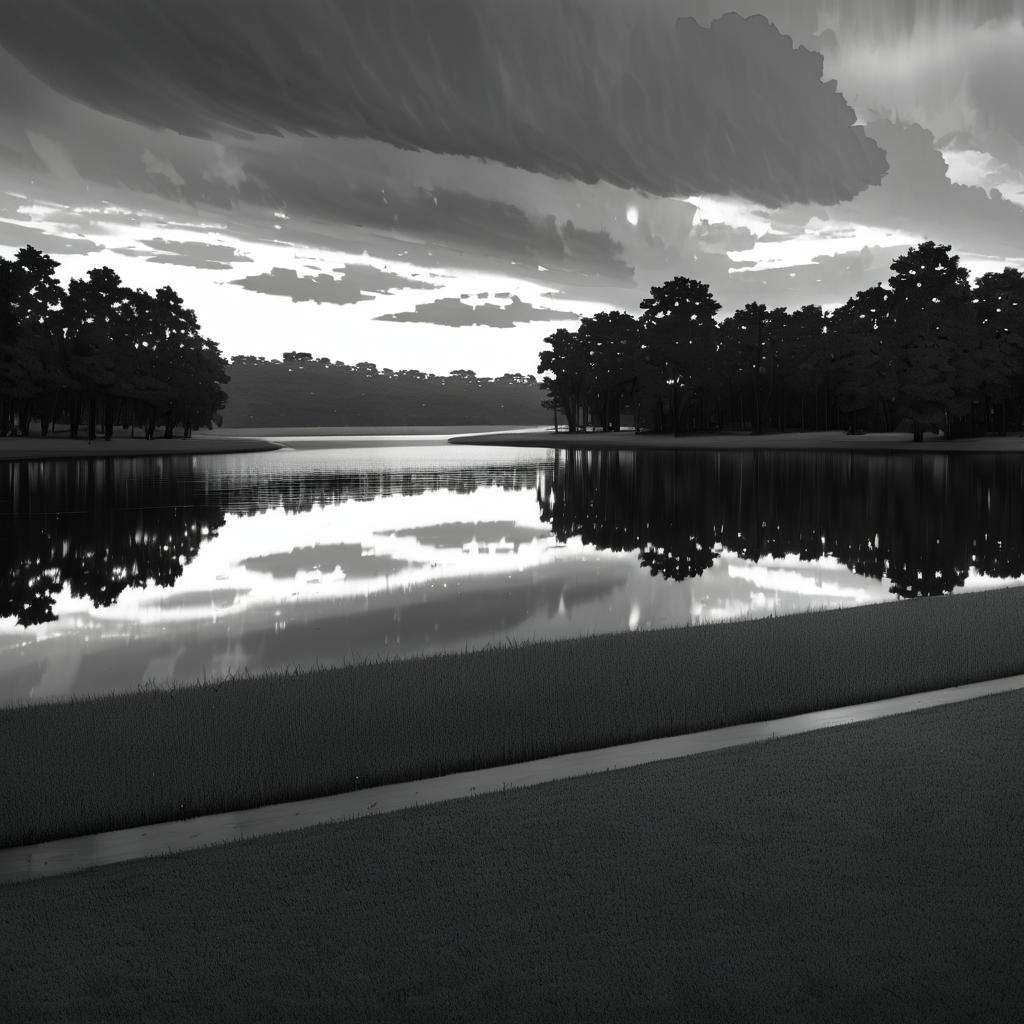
(927, 350)
(97, 354)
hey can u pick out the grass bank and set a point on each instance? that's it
(113, 762)
(808, 441)
(60, 446)
(867, 873)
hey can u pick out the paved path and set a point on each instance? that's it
(66, 855)
(796, 442)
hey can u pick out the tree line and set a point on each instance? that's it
(97, 355)
(302, 391)
(929, 351)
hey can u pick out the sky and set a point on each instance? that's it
(440, 185)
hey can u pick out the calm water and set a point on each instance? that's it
(121, 572)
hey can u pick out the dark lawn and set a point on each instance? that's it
(867, 873)
(132, 759)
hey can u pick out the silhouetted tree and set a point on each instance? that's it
(804, 362)
(567, 366)
(100, 353)
(31, 297)
(679, 336)
(611, 341)
(860, 356)
(926, 331)
(926, 348)
(752, 337)
(998, 354)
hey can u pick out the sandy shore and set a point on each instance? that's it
(834, 440)
(13, 449)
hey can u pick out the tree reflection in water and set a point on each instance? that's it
(920, 521)
(101, 526)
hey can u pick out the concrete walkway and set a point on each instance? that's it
(66, 855)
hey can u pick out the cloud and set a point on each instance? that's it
(826, 280)
(458, 535)
(155, 167)
(918, 196)
(352, 194)
(720, 237)
(358, 283)
(199, 255)
(970, 165)
(598, 91)
(352, 559)
(17, 236)
(454, 312)
(386, 201)
(948, 66)
(189, 261)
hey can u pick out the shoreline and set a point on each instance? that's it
(382, 430)
(226, 441)
(809, 441)
(33, 449)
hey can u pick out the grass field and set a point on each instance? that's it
(131, 759)
(866, 873)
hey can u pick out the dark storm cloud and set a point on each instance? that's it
(595, 91)
(454, 312)
(358, 284)
(918, 196)
(314, 188)
(877, 21)
(357, 191)
(946, 64)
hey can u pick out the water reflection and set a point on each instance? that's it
(100, 527)
(97, 528)
(922, 523)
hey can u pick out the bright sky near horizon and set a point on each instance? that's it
(437, 186)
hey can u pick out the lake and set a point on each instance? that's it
(124, 572)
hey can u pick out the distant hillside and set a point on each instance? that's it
(304, 392)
